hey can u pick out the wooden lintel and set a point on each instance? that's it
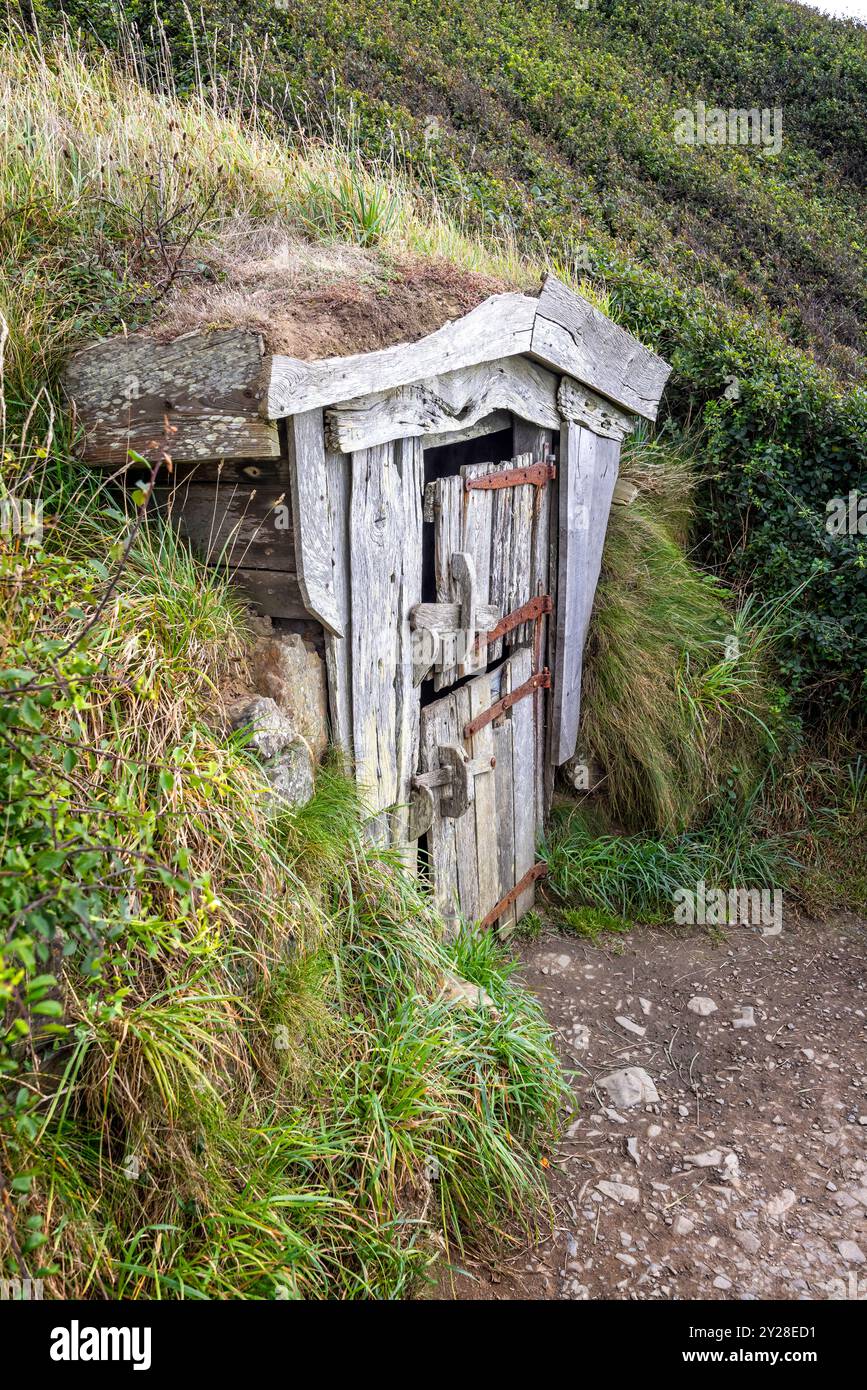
(195, 398)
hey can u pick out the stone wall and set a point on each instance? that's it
(286, 709)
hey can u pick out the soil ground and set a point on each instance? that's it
(748, 1178)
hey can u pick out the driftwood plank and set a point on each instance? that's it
(338, 650)
(198, 397)
(235, 525)
(505, 822)
(448, 403)
(466, 839)
(576, 475)
(499, 327)
(478, 694)
(409, 460)
(523, 775)
(384, 546)
(476, 542)
(313, 548)
(439, 726)
(572, 335)
(448, 495)
(583, 407)
(539, 444)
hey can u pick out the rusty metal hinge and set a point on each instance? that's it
(527, 613)
(537, 871)
(537, 473)
(540, 681)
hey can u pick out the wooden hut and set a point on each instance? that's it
(435, 513)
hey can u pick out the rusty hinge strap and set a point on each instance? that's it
(525, 614)
(537, 871)
(540, 681)
(537, 473)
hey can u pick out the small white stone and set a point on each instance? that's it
(630, 1086)
(630, 1026)
(779, 1205)
(702, 1005)
(619, 1191)
(682, 1226)
(720, 1282)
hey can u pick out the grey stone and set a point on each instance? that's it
(630, 1086)
(852, 1253)
(289, 671)
(619, 1191)
(291, 775)
(270, 730)
(702, 1005)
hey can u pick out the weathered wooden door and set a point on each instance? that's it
(479, 793)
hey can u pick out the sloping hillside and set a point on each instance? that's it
(552, 128)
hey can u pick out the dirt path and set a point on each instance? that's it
(747, 1178)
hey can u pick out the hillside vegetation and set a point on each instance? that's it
(551, 128)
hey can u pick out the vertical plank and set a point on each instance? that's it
(307, 470)
(485, 806)
(478, 515)
(409, 462)
(338, 650)
(527, 438)
(505, 823)
(578, 453)
(523, 775)
(501, 560)
(377, 543)
(466, 842)
(438, 725)
(448, 537)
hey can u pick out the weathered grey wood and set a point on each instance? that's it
(583, 407)
(489, 424)
(313, 544)
(485, 808)
(538, 443)
(448, 494)
(446, 617)
(409, 461)
(476, 542)
(576, 473)
(235, 525)
(198, 397)
(439, 724)
(588, 473)
(524, 758)
(385, 546)
(505, 823)
(466, 841)
(338, 650)
(499, 327)
(576, 338)
(275, 593)
(560, 329)
(452, 401)
(604, 481)
(501, 559)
